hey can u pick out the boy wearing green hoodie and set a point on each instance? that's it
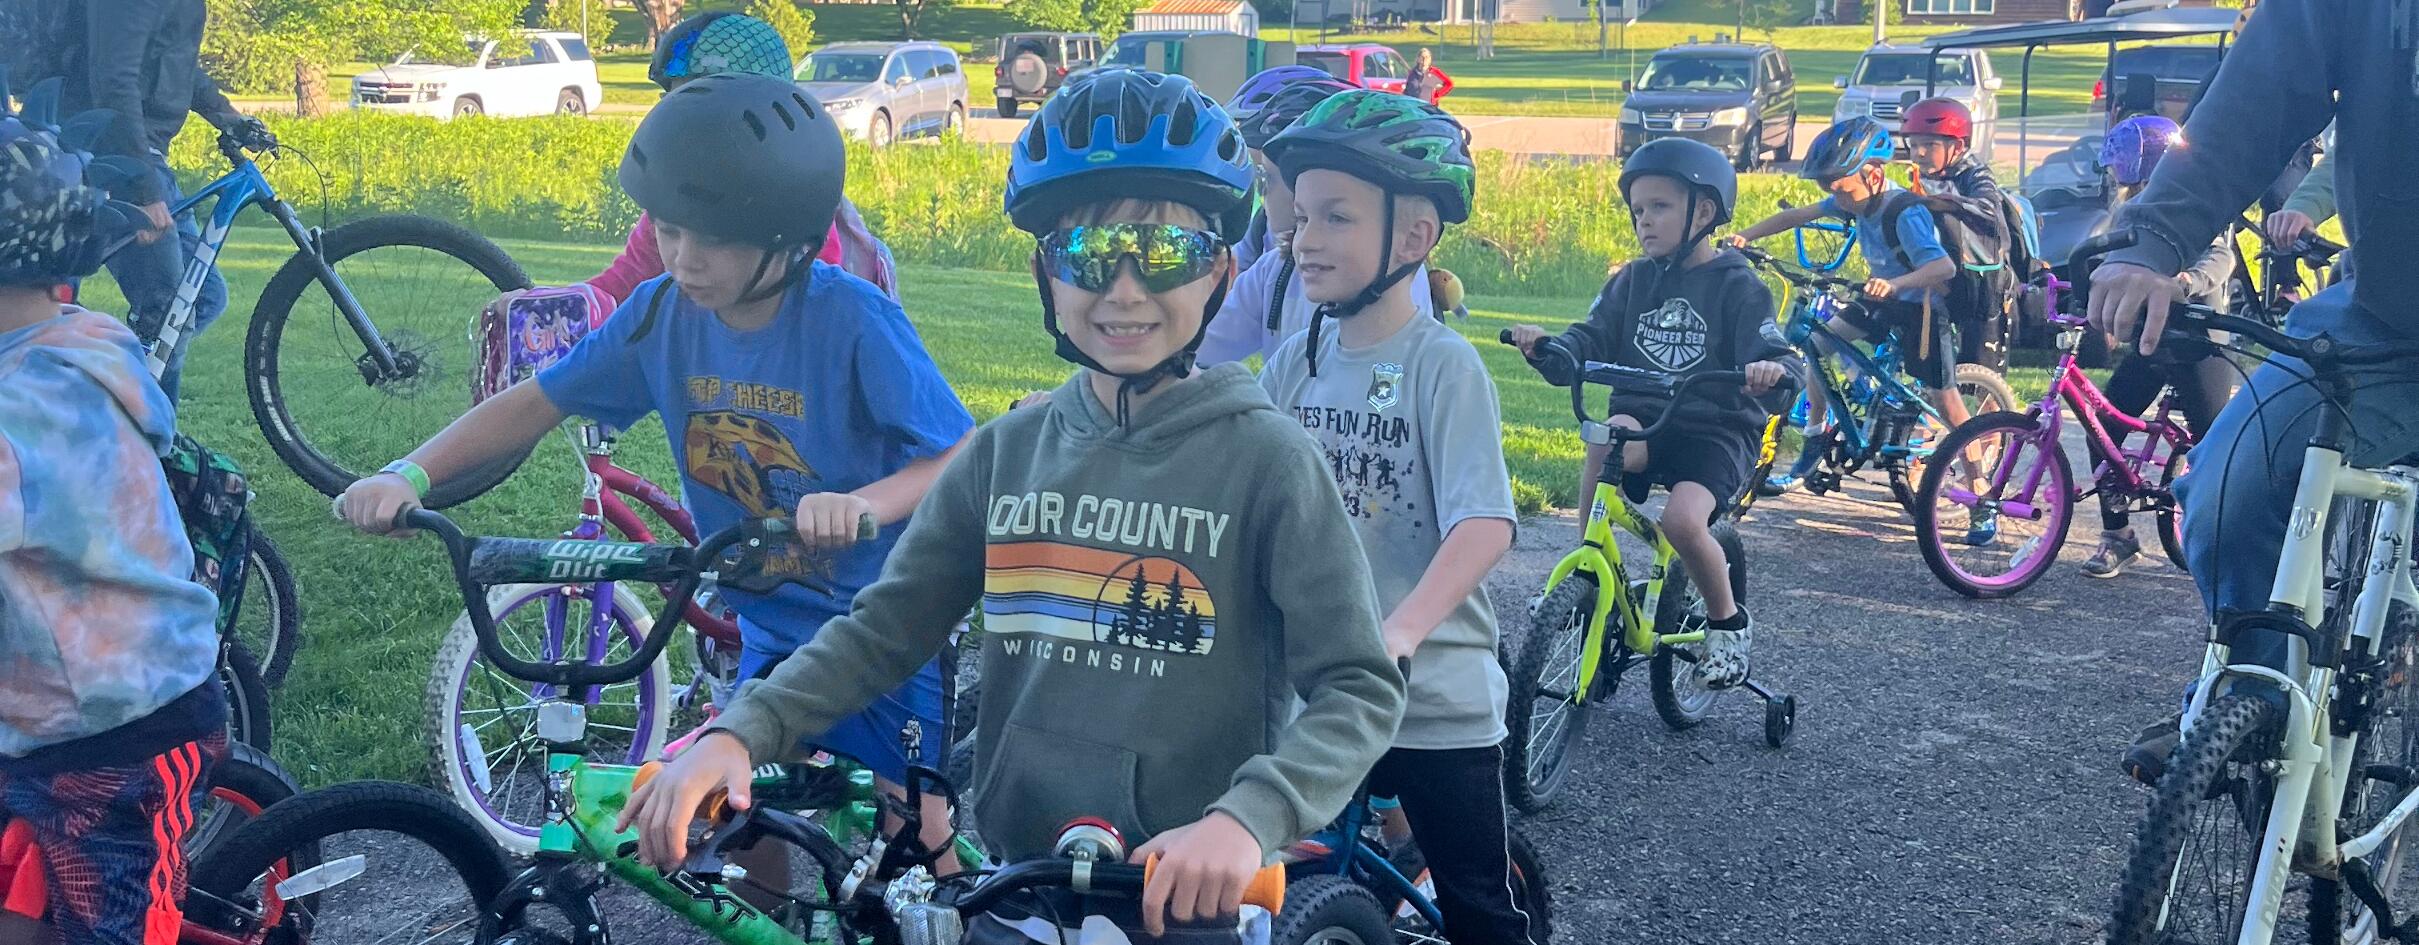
(1163, 563)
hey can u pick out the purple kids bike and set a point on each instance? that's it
(1991, 520)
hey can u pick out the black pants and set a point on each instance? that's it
(2200, 387)
(1455, 802)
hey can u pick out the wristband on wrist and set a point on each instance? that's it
(411, 473)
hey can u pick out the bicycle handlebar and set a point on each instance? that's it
(480, 563)
(1796, 276)
(1636, 380)
(2188, 326)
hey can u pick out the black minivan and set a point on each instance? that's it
(1739, 97)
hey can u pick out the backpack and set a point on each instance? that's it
(215, 499)
(1993, 258)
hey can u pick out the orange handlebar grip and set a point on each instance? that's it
(1266, 889)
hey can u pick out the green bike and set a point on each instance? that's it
(1595, 624)
(438, 886)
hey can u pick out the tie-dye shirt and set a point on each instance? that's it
(101, 623)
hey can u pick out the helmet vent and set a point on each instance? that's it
(784, 114)
(1183, 122)
(638, 154)
(755, 124)
(699, 194)
(805, 107)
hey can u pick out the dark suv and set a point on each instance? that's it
(1741, 98)
(1032, 65)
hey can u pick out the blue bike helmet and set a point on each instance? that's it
(1846, 147)
(1279, 111)
(1129, 133)
(717, 43)
(1265, 83)
(56, 225)
(2132, 149)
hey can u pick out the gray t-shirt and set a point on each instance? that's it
(1412, 432)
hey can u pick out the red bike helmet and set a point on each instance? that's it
(1939, 116)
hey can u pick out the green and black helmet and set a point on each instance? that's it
(1403, 145)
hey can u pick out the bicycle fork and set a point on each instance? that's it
(378, 362)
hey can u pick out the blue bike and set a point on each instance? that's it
(1879, 420)
(337, 391)
(1355, 851)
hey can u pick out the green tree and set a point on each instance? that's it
(659, 14)
(1106, 17)
(1768, 16)
(911, 13)
(567, 16)
(256, 45)
(797, 27)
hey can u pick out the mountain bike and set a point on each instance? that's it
(1353, 848)
(481, 722)
(336, 394)
(415, 844)
(2315, 773)
(1594, 623)
(1879, 421)
(2013, 471)
(1811, 260)
(2267, 296)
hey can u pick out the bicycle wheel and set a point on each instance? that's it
(2033, 503)
(2188, 878)
(1680, 694)
(482, 724)
(1984, 392)
(247, 696)
(1330, 910)
(327, 410)
(2171, 518)
(1547, 713)
(241, 786)
(1531, 893)
(270, 621)
(368, 862)
(2388, 743)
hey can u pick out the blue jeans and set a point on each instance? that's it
(2240, 488)
(148, 276)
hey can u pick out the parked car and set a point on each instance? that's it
(1033, 65)
(1368, 65)
(1739, 97)
(540, 73)
(1889, 78)
(2179, 71)
(881, 92)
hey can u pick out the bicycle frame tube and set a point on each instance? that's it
(1600, 554)
(1348, 853)
(614, 483)
(238, 189)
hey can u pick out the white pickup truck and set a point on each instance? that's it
(553, 74)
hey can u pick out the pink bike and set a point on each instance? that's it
(1991, 521)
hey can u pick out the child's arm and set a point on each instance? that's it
(1755, 338)
(1781, 222)
(1930, 275)
(913, 411)
(933, 577)
(1352, 694)
(1461, 433)
(1461, 564)
(508, 424)
(2208, 274)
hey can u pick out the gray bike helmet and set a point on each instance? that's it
(1693, 163)
(746, 159)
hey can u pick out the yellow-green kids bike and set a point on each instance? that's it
(1595, 623)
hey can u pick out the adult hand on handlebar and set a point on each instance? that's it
(2285, 227)
(1526, 337)
(156, 223)
(1762, 375)
(375, 504)
(1203, 869)
(1879, 287)
(2121, 294)
(663, 808)
(827, 521)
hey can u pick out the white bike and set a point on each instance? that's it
(2318, 780)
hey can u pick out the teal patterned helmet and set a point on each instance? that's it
(1403, 145)
(716, 43)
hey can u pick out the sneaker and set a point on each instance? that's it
(2115, 552)
(2146, 759)
(1725, 663)
(1982, 528)
(1775, 484)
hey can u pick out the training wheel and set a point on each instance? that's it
(1780, 720)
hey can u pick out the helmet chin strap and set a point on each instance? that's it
(799, 258)
(1664, 264)
(1369, 294)
(1176, 366)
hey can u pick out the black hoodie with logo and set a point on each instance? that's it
(1717, 316)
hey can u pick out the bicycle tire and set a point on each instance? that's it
(2210, 760)
(1930, 540)
(2170, 518)
(308, 822)
(1330, 910)
(1532, 894)
(242, 785)
(1671, 675)
(283, 623)
(247, 696)
(273, 329)
(1561, 621)
(2391, 738)
(1987, 392)
(445, 698)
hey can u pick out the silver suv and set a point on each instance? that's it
(1889, 78)
(881, 92)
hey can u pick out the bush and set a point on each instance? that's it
(564, 15)
(1543, 227)
(796, 26)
